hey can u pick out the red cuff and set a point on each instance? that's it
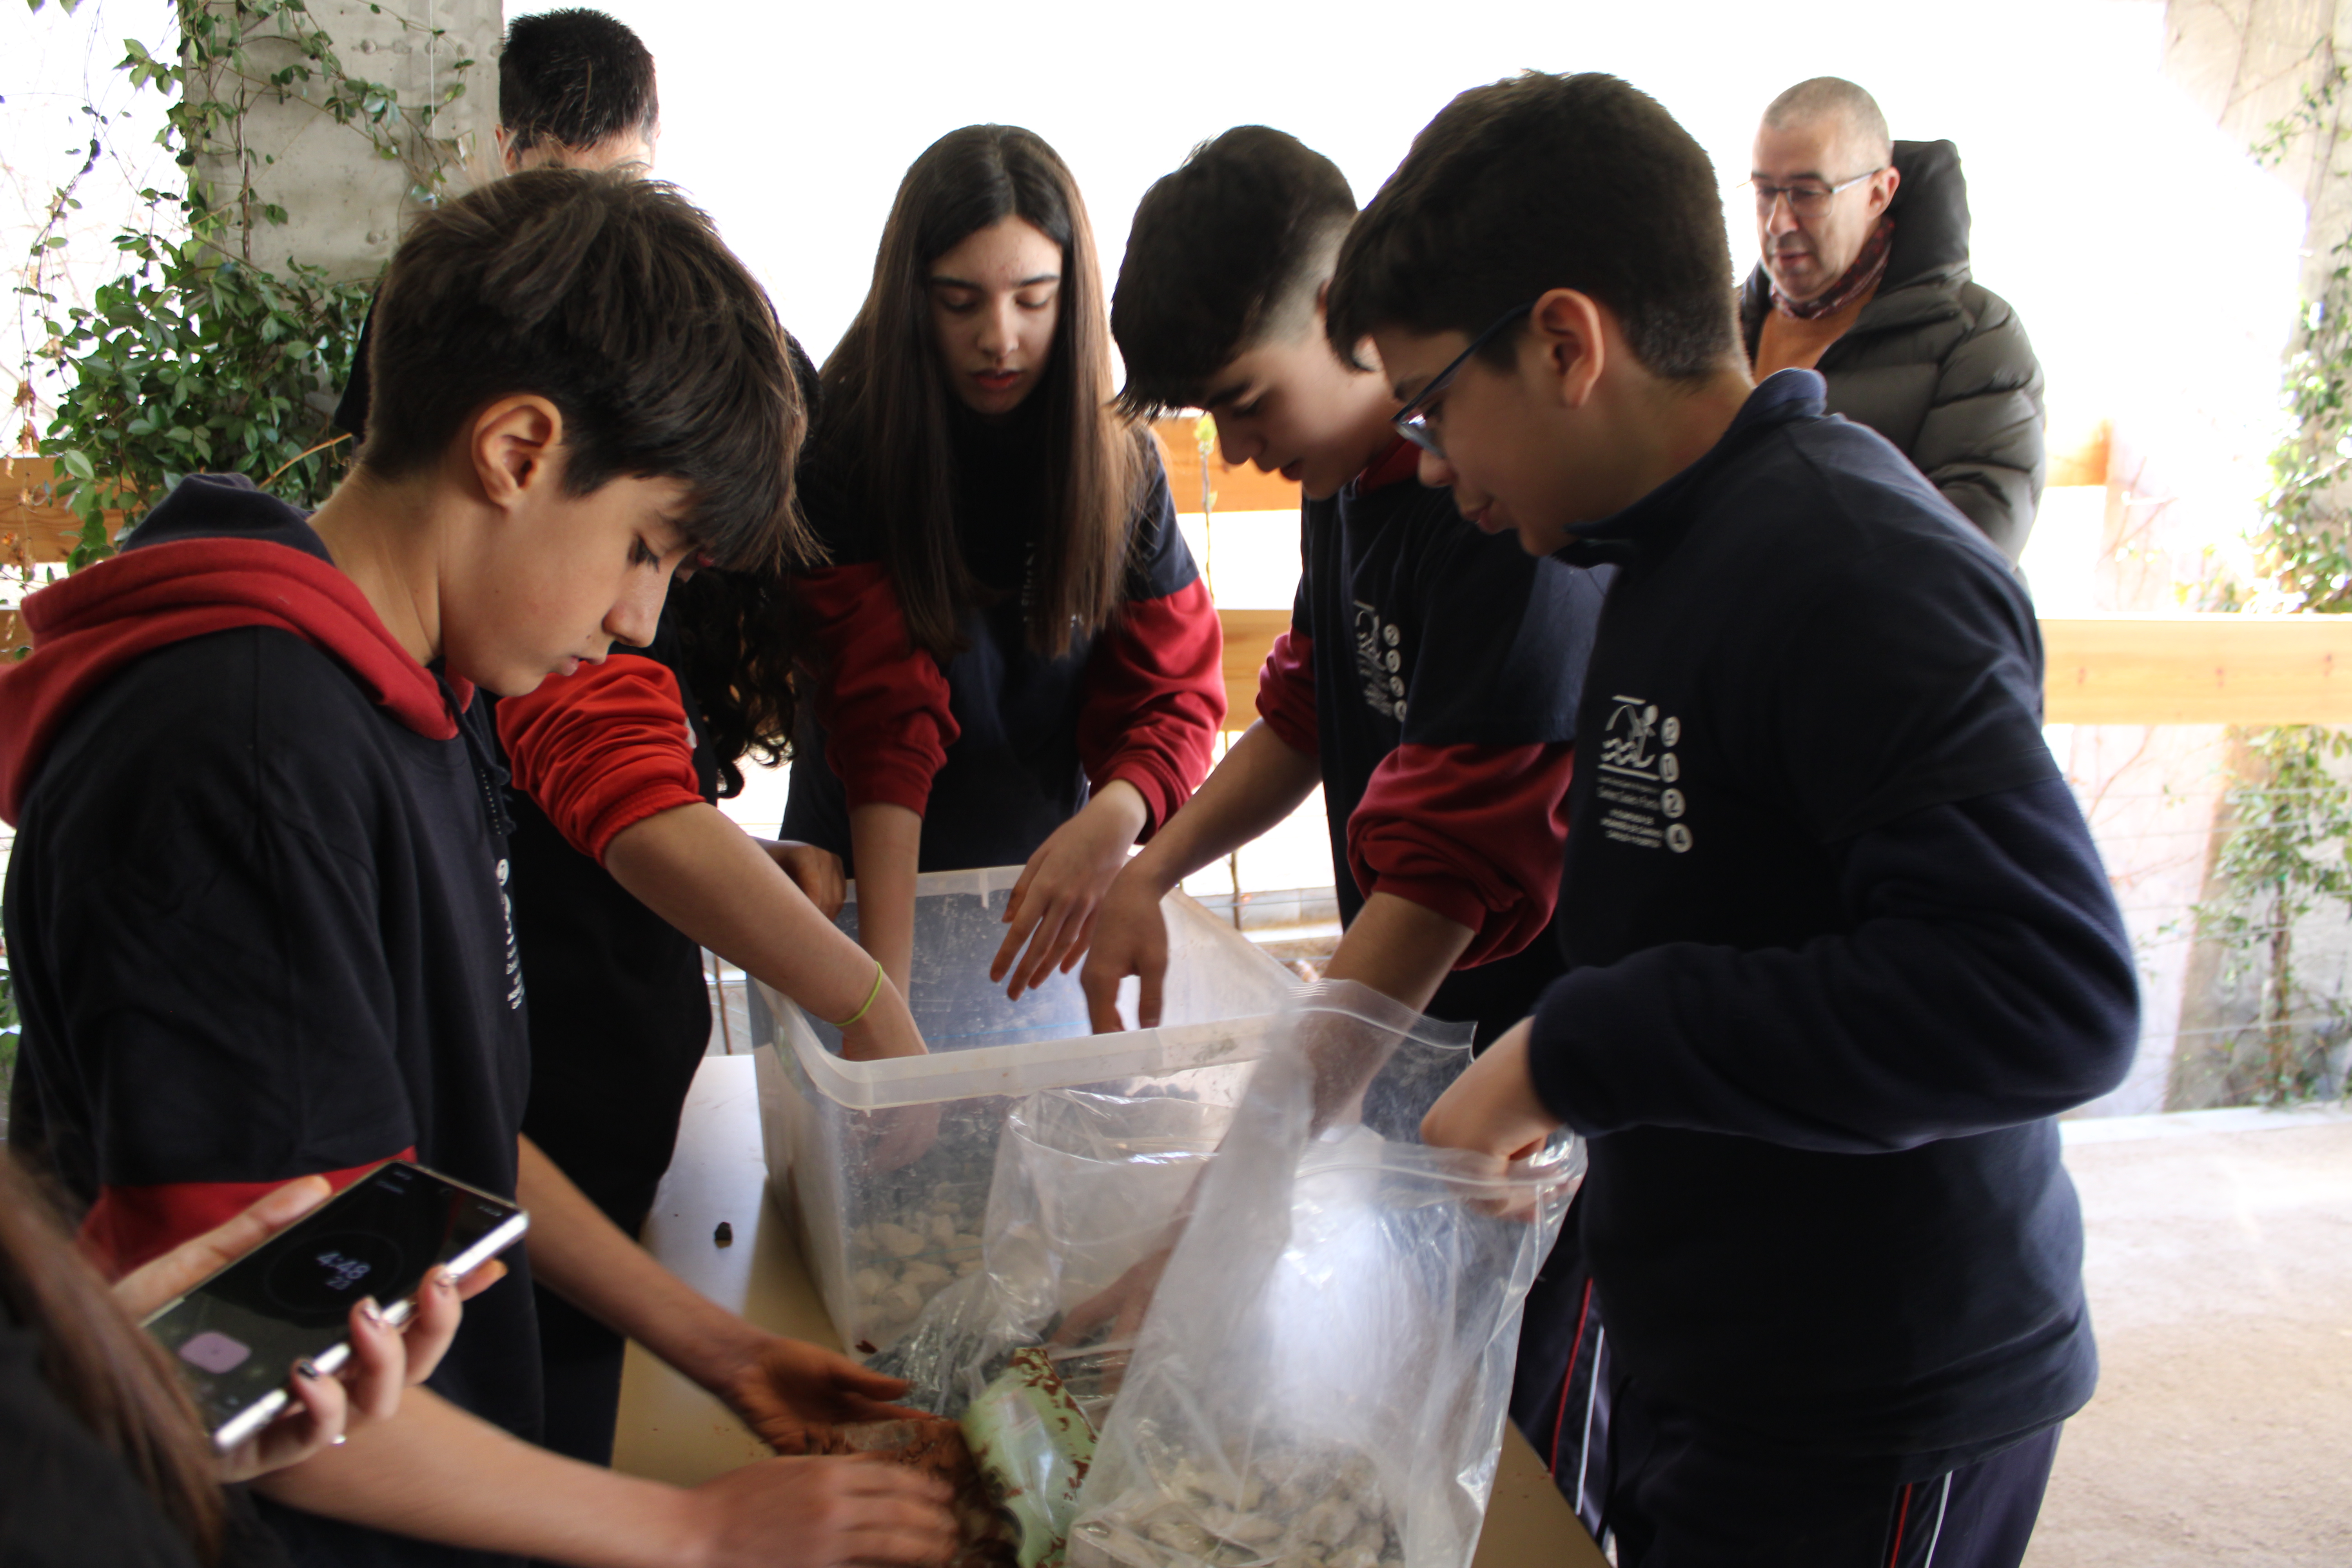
(130, 1225)
(602, 750)
(1473, 833)
(882, 701)
(1155, 696)
(1286, 691)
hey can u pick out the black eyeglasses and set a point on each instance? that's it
(1412, 421)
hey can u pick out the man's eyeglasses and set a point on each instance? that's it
(1412, 421)
(1806, 198)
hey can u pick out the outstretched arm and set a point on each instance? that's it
(1261, 781)
(437, 1474)
(721, 887)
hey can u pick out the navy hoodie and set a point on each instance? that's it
(1840, 948)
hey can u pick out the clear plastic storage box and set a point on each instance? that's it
(885, 1165)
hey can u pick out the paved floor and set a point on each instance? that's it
(2219, 1267)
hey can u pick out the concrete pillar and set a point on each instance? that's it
(346, 204)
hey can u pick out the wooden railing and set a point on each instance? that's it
(2103, 670)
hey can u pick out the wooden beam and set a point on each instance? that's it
(1249, 635)
(1234, 490)
(33, 530)
(2200, 670)
(2105, 670)
(2080, 459)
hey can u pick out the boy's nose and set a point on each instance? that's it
(637, 614)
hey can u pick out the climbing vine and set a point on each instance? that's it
(203, 353)
(2287, 820)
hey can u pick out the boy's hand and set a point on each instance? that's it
(784, 1388)
(1492, 1108)
(816, 872)
(819, 1513)
(1053, 905)
(1122, 1304)
(1131, 936)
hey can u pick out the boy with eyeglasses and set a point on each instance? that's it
(1840, 948)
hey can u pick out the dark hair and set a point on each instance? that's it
(885, 434)
(739, 635)
(115, 1379)
(576, 78)
(1539, 182)
(1823, 97)
(615, 300)
(1224, 253)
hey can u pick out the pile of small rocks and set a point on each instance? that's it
(1321, 1511)
(900, 1263)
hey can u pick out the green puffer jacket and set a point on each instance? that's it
(1935, 363)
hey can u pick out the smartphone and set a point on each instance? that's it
(238, 1335)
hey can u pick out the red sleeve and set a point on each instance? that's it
(603, 748)
(1474, 833)
(130, 1225)
(1155, 696)
(1285, 690)
(883, 702)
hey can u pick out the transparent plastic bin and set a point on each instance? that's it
(885, 1167)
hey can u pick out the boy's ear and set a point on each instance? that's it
(1568, 331)
(511, 446)
(1368, 354)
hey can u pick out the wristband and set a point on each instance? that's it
(871, 996)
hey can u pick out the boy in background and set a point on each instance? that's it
(1428, 680)
(256, 908)
(575, 91)
(1839, 945)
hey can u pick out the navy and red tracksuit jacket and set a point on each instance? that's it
(1434, 672)
(999, 745)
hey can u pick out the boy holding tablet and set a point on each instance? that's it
(256, 907)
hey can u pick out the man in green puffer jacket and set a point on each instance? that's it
(1866, 278)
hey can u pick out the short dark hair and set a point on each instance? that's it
(576, 78)
(614, 299)
(1219, 256)
(1539, 183)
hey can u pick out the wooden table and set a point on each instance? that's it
(672, 1431)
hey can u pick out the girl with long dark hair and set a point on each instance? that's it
(1017, 659)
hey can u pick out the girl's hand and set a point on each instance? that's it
(816, 872)
(1054, 904)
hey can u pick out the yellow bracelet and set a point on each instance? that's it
(871, 996)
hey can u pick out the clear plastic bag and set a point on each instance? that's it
(1085, 1186)
(1323, 1377)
